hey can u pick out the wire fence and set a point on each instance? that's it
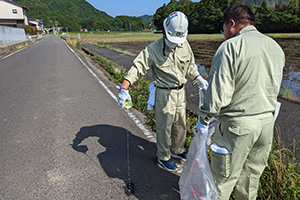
(11, 34)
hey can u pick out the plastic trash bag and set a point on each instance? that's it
(196, 180)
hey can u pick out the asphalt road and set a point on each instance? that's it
(62, 136)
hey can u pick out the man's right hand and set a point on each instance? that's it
(123, 96)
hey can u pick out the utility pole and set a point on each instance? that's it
(56, 31)
(67, 32)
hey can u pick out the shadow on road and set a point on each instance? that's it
(151, 181)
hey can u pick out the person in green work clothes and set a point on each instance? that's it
(171, 59)
(244, 82)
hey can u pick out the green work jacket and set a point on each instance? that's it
(169, 66)
(245, 76)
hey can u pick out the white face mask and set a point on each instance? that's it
(170, 44)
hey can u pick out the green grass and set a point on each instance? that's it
(114, 73)
(281, 35)
(117, 38)
(117, 50)
(72, 42)
(280, 180)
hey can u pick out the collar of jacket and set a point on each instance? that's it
(246, 29)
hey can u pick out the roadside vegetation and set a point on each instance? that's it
(72, 42)
(280, 179)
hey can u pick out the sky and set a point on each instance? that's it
(129, 7)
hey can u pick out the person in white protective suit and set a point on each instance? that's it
(171, 59)
(244, 81)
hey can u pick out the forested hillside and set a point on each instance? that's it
(146, 18)
(76, 14)
(272, 3)
(206, 16)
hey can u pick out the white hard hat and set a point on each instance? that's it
(176, 27)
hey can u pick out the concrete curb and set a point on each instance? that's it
(8, 48)
(4, 49)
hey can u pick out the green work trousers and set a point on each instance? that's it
(248, 140)
(170, 115)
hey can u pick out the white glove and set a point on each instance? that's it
(203, 84)
(202, 129)
(123, 96)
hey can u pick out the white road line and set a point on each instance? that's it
(14, 53)
(137, 122)
(17, 51)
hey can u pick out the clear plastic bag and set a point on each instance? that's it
(196, 180)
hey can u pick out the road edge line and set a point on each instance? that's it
(136, 121)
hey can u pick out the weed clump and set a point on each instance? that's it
(280, 179)
(73, 43)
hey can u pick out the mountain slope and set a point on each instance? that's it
(74, 14)
(73, 11)
(147, 19)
